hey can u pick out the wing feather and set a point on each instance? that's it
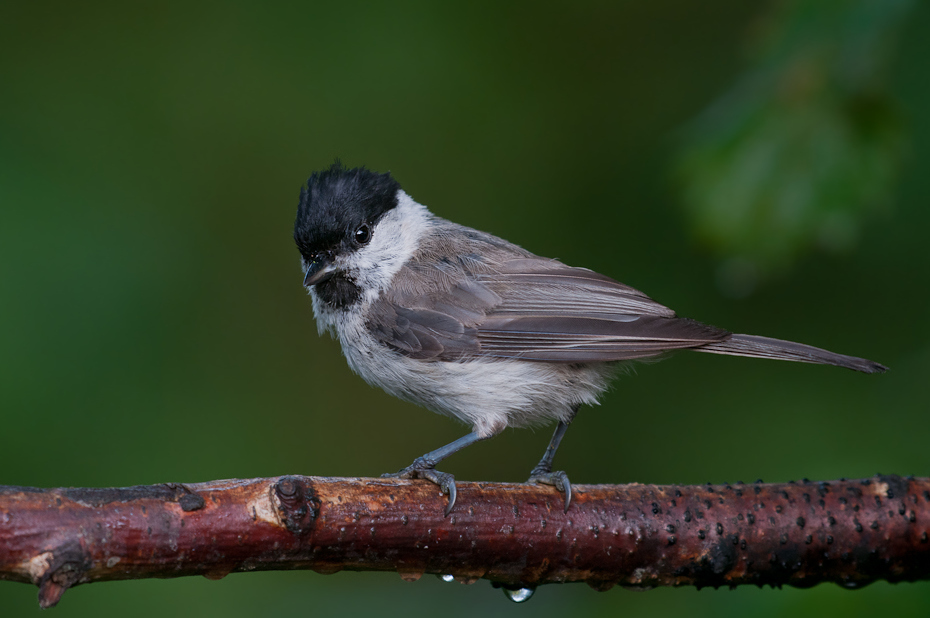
(529, 308)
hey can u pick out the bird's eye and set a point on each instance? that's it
(363, 234)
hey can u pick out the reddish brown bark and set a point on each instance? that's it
(849, 532)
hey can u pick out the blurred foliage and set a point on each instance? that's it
(153, 327)
(805, 147)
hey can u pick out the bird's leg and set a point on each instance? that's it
(543, 473)
(424, 467)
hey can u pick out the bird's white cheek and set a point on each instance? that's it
(395, 239)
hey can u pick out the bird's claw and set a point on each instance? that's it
(444, 480)
(558, 479)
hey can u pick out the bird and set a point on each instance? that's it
(473, 327)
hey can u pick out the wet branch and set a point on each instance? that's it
(848, 532)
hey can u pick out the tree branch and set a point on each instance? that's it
(848, 532)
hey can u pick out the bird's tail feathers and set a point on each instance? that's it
(765, 347)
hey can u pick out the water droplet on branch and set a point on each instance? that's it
(519, 595)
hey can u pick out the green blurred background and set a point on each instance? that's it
(153, 327)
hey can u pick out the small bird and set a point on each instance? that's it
(471, 326)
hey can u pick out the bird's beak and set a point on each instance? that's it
(319, 269)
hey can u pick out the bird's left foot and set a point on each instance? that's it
(420, 469)
(557, 479)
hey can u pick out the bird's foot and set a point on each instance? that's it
(421, 469)
(558, 479)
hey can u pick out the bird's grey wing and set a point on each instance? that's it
(570, 339)
(557, 313)
(438, 325)
(533, 309)
(541, 286)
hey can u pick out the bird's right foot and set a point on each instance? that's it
(421, 469)
(557, 479)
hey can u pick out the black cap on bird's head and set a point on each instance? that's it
(337, 210)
